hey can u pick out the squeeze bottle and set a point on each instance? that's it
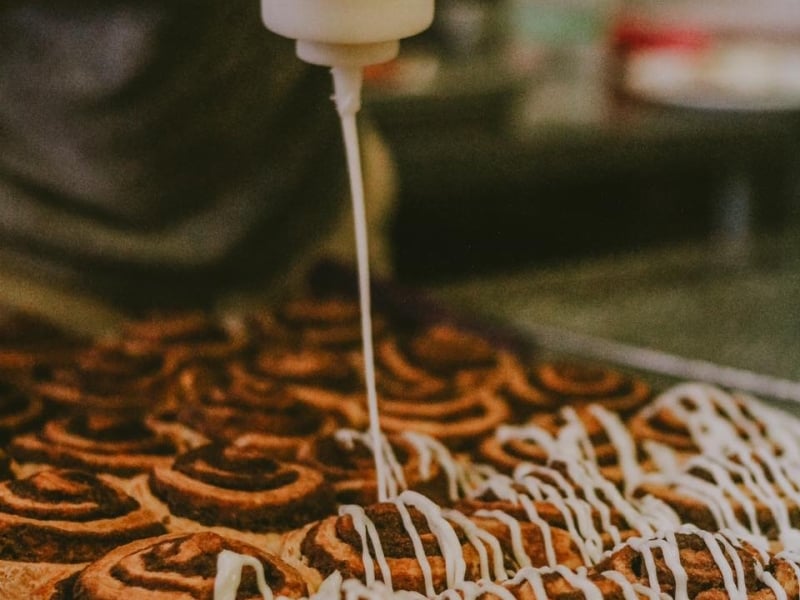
(348, 35)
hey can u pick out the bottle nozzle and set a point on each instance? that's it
(347, 55)
(347, 84)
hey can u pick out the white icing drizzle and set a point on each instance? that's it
(394, 479)
(664, 457)
(541, 437)
(455, 565)
(623, 445)
(367, 531)
(534, 578)
(229, 575)
(575, 436)
(769, 580)
(748, 469)
(419, 550)
(586, 534)
(484, 543)
(430, 449)
(544, 527)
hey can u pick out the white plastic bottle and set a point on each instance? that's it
(348, 35)
(340, 33)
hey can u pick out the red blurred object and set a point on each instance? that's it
(630, 34)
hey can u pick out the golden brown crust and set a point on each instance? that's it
(242, 487)
(121, 445)
(68, 517)
(542, 386)
(436, 359)
(185, 337)
(330, 322)
(182, 564)
(459, 420)
(108, 377)
(216, 404)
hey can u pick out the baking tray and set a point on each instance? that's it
(662, 369)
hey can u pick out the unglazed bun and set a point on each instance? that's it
(108, 377)
(186, 337)
(421, 365)
(544, 386)
(122, 445)
(239, 490)
(57, 520)
(222, 406)
(329, 322)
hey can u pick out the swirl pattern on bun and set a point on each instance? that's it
(457, 419)
(179, 566)
(216, 404)
(439, 357)
(108, 377)
(330, 322)
(242, 487)
(67, 516)
(120, 445)
(541, 386)
(186, 337)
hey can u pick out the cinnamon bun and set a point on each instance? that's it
(695, 564)
(57, 520)
(697, 417)
(104, 443)
(183, 566)
(325, 379)
(108, 377)
(750, 492)
(330, 322)
(439, 357)
(589, 432)
(544, 385)
(184, 337)
(411, 544)
(238, 488)
(215, 403)
(347, 460)
(458, 419)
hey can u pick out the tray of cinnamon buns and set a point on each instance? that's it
(226, 457)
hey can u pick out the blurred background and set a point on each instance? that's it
(620, 169)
